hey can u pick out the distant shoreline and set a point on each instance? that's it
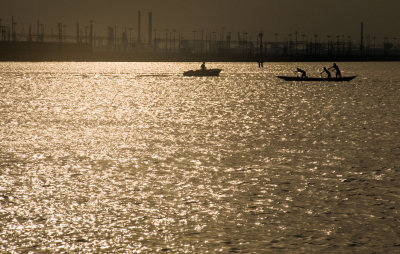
(69, 52)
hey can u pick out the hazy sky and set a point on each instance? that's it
(325, 17)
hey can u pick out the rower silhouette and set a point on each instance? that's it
(328, 73)
(203, 66)
(336, 69)
(303, 73)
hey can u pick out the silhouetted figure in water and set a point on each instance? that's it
(303, 73)
(337, 70)
(328, 73)
(260, 62)
(203, 66)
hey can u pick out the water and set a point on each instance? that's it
(134, 157)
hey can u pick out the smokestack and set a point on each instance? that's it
(13, 33)
(150, 28)
(77, 33)
(38, 30)
(91, 33)
(30, 32)
(60, 32)
(139, 39)
(362, 38)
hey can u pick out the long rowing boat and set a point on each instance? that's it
(291, 78)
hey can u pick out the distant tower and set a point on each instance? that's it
(77, 33)
(150, 28)
(362, 38)
(139, 39)
(91, 33)
(13, 33)
(60, 31)
(30, 33)
(110, 37)
(38, 30)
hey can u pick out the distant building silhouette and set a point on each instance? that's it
(200, 45)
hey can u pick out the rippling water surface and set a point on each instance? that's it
(134, 157)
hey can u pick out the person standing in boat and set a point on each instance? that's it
(337, 70)
(303, 73)
(328, 73)
(203, 66)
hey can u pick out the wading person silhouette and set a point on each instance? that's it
(337, 70)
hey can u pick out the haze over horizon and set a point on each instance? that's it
(341, 17)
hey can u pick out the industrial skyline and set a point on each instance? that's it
(144, 33)
(148, 32)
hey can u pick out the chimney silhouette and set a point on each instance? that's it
(139, 39)
(13, 31)
(77, 33)
(150, 28)
(362, 38)
(91, 33)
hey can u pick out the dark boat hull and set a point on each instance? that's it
(202, 73)
(316, 79)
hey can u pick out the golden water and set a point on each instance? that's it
(134, 157)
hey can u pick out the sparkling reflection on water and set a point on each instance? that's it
(134, 157)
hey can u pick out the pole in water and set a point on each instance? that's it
(260, 61)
